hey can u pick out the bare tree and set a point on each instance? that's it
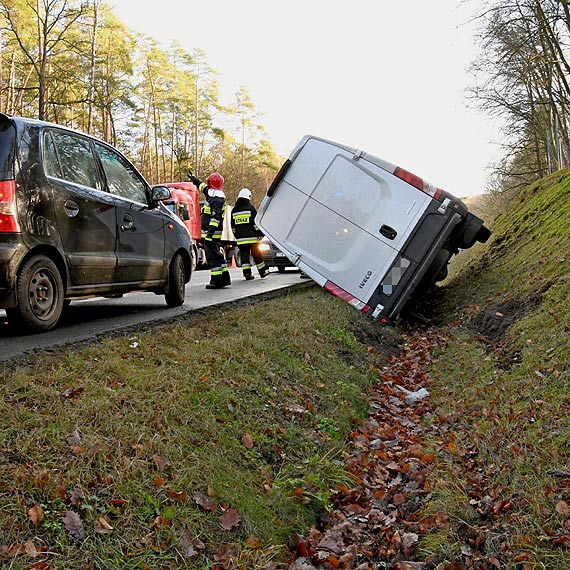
(522, 77)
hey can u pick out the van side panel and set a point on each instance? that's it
(341, 215)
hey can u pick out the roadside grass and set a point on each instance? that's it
(151, 439)
(501, 390)
(224, 435)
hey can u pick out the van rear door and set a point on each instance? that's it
(341, 215)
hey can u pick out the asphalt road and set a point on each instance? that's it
(90, 318)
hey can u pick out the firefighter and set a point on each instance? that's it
(212, 223)
(247, 235)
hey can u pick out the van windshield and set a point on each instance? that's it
(7, 148)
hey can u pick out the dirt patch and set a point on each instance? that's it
(385, 340)
(493, 322)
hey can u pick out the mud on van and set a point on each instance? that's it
(365, 230)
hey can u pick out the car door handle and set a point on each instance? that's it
(128, 224)
(71, 208)
(388, 232)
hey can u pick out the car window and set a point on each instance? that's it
(51, 161)
(76, 160)
(7, 148)
(122, 179)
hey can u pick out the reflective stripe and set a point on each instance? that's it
(240, 218)
(246, 240)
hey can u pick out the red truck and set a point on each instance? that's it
(185, 203)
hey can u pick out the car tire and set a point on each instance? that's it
(40, 294)
(174, 295)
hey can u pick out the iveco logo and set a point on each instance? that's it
(366, 278)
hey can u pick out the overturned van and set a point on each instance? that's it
(364, 229)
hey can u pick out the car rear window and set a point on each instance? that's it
(76, 162)
(7, 148)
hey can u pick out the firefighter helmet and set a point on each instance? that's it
(245, 193)
(215, 181)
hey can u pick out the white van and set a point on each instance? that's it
(364, 229)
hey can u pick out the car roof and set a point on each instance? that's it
(19, 120)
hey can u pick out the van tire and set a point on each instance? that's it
(40, 294)
(174, 294)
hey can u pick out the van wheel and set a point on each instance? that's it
(39, 290)
(176, 282)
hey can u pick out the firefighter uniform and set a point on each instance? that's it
(247, 235)
(212, 224)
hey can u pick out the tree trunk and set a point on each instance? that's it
(91, 92)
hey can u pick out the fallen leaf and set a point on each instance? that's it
(253, 542)
(117, 502)
(74, 525)
(30, 549)
(76, 497)
(161, 462)
(178, 496)
(102, 526)
(563, 509)
(524, 557)
(204, 502)
(159, 522)
(36, 515)
(563, 540)
(74, 438)
(230, 519)
(72, 392)
(92, 451)
(247, 440)
(190, 546)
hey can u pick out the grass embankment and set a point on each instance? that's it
(501, 391)
(220, 436)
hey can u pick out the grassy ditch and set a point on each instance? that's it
(216, 441)
(219, 436)
(501, 392)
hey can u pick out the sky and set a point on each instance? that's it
(385, 76)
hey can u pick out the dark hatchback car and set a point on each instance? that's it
(273, 256)
(78, 220)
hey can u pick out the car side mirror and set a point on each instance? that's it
(159, 194)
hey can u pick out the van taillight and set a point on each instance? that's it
(8, 219)
(418, 182)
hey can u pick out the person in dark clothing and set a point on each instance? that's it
(247, 235)
(212, 223)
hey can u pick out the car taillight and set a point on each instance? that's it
(8, 219)
(418, 182)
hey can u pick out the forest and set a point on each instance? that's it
(73, 62)
(521, 77)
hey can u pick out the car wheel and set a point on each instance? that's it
(40, 294)
(176, 282)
